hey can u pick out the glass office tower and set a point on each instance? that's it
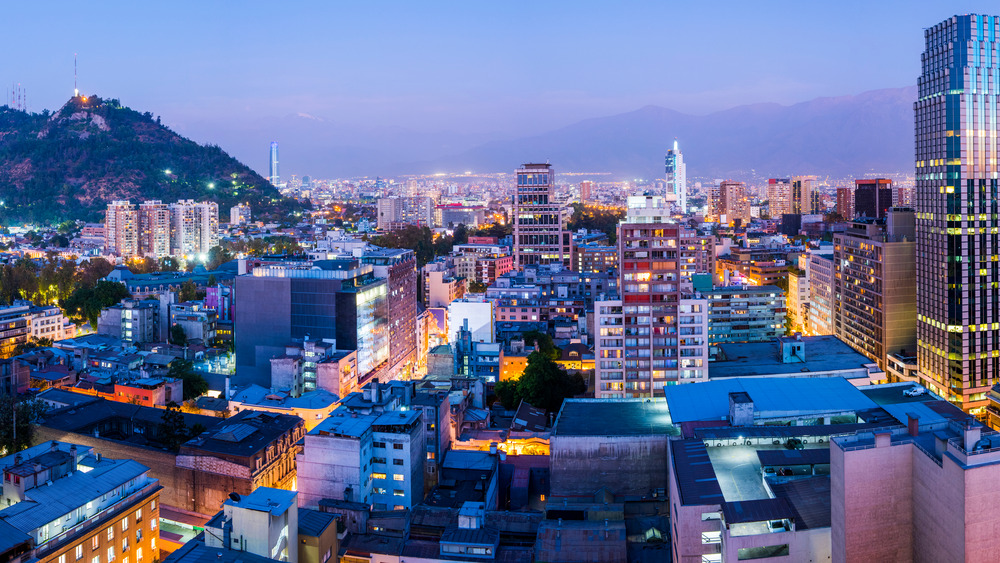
(958, 298)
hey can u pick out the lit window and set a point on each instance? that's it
(398, 477)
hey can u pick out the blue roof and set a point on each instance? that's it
(772, 396)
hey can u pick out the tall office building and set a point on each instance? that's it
(958, 298)
(340, 301)
(272, 170)
(676, 178)
(121, 229)
(804, 198)
(872, 198)
(779, 197)
(875, 287)
(154, 229)
(539, 236)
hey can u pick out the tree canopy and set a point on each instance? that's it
(543, 384)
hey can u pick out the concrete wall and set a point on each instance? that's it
(183, 488)
(872, 504)
(328, 466)
(627, 465)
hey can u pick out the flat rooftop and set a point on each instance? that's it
(773, 397)
(749, 359)
(615, 417)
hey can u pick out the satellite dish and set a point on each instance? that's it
(235, 497)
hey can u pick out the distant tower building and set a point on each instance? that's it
(194, 228)
(154, 229)
(585, 188)
(539, 237)
(872, 198)
(805, 199)
(273, 169)
(121, 229)
(676, 178)
(239, 214)
(779, 197)
(845, 203)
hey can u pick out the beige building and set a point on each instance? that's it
(779, 197)
(154, 229)
(121, 224)
(729, 203)
(875, 307)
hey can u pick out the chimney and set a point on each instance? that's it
(913, 424)
(493, 448)
(971, 435)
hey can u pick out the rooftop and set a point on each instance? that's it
(615, 417)
(772, 397)
(313, 522)
(243, 434)
(823, 354)
(266, 499)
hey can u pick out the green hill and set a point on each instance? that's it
(71, 163)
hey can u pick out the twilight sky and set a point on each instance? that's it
(235, 73)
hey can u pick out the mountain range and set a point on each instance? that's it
(839, 136)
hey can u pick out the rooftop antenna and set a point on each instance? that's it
(76, 91)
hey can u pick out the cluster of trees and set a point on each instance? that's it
(595, 218)
(277, 244)
(422, 241)
(543, 384)
(17, 420)
(194, 384)
(172, 431)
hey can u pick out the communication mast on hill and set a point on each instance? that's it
(76, 91)
(18, 99)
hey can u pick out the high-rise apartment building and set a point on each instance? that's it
(397, 212)
(729, 203)
(121, 225)
(958, 298)
(154, 229)
(872, 197)
(585, 188)
(272, 170)
(875, 286)
(657, 333)
(194, 227)
(676, 178)
(539, 236)
(845, 202)
(820, 313)
(779, 197)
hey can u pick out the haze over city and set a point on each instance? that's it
(389, 84)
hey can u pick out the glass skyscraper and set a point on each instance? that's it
(273, 167)
(957, 249)
(676, 178)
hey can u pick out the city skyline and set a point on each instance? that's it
(395, 73)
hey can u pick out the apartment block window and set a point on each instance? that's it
(96, 559)
(138, 515)
(124, 523)
(125, 545)
(111, 533)
(398, 492)
(397, 446)
(152, 524)
(79, 552)
(95, 543)
(398, 477)
(62, 558)
(152, 542)
(397, 462)
(152, 505)
(111, 553)
(138, 554)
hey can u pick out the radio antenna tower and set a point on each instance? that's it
(76, 91)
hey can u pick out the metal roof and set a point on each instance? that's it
(48, 502)
(812, 456)
(809, 498)
(771, 396)
(761, 510)
(696, 479)
(313, 522)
